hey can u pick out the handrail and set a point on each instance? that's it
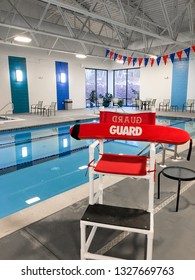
(12, 108)
(164, 148)
(146, 147)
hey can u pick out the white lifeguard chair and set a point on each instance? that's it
(136, 127)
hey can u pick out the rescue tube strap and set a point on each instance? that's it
(89, 165)
(189, 150)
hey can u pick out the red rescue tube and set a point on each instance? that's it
(139, 132)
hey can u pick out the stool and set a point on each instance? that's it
(179, 174)
(174, 108)
(117, 218)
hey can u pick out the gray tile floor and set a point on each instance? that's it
(58, 235)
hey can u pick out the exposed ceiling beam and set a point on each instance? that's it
(104, 45)
(109, 20)
(166, 17)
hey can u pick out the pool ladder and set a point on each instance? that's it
(165, 148)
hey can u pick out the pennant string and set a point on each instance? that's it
(146, 60)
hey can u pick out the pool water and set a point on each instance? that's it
(37, 164)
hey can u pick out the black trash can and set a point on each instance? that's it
(68, 104)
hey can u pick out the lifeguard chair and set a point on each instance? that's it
(135, 127)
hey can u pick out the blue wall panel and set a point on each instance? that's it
(179, 82)
(19, 90)
(61, 88)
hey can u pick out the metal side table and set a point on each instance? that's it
(179, 174)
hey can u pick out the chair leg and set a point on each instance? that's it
(159, 184)
(150, 237)
(91, 186)
(83, 240)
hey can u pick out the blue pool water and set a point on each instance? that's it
(43, 162)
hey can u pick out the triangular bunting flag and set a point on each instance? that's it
(146, 59)
(179, 54)
(172, 57)
(158, 60)
(124, 59)
(187, 51)
(129, 59)
(134, 60)
(140, 59)
(152, 61)
(107, 53)
(193, 47)
(120, 56)
(115, 56)
(111, 54)
(165, 57)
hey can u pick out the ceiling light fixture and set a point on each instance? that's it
(22, 39)
(82, 56)
(120, 61)
(153, 56)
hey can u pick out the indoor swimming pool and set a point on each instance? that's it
(41, 162)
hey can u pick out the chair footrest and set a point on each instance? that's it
(117, 216)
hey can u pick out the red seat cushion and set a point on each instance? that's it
(122, 164)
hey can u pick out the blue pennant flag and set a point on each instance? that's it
(158, 60)
(124, 59)
(146, 60)
(187, 51)
(115, 56)
(134, 60)
(107, 53)
(172, 56)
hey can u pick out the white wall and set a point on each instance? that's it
(41, 80)
(5, 92)
(156, 82)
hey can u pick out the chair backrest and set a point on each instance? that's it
(115, 100)
(190, 101)
(52, 106)
(166, 101)
(100, 100)
(123, 118)
(40, 104)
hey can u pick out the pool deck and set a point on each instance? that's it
(29, 120)
(50, 230)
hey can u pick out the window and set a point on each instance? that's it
(126, 84)
(95, 80)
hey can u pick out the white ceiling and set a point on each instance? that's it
(129, 27)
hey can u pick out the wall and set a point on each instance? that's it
(155, 82)
(5, 91)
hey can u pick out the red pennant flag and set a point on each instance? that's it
(111, 54)
(140, 59)
(129, 59)
(179, 54)
(165, 57)
(152, 61)
(193, 47)
(120, 57)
